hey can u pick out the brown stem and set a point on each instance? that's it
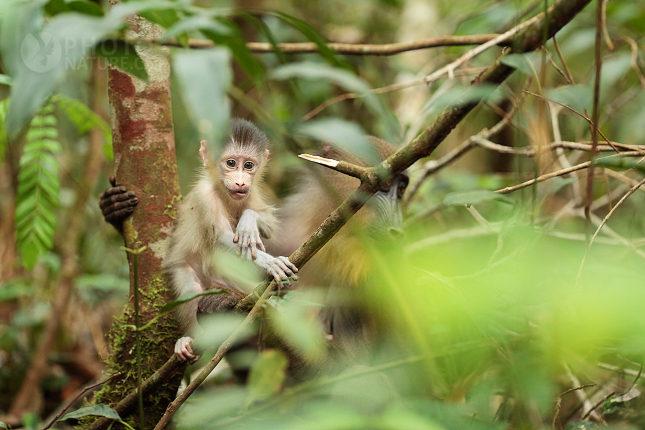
(341, 48)
(596, 113)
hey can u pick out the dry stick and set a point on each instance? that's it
(558, 402)
(595, 114)
(448, 69)
(634, 63)
(586, 118)
(75, 399)
(432, 166)
(341, 48)
(382, 90)
(564, 63)
(604, 221)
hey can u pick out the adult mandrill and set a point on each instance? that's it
(226, 209)
(343, 264)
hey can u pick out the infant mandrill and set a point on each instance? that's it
(226, 210)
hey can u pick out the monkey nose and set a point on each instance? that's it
(394, 233)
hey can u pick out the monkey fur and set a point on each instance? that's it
(225, 210)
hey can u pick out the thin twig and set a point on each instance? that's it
(558, 402)
(634, 62)
(339, 48)
(608, 41)
(595, 113)
(604, 221)
(432, 166)
(564, 63)
(448, 69)
(586, 118)
(75, 399)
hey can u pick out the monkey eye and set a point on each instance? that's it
(401, 190)
(386, 187)
(248, 165)
(230, 162)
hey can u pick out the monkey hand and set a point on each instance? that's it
(117, 204)
(247, 235)
(184, 351)
(278, 267)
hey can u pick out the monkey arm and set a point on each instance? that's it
(117, 203)
(247, 233)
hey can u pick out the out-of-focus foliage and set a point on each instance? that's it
(494, 311)
(38, 187)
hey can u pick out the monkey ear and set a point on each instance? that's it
(267, 153)
(203, 152)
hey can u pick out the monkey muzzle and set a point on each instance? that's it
(239, 194)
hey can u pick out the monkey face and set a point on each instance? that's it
(385, 210)
(238, 171)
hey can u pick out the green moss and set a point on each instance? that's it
(121, 339)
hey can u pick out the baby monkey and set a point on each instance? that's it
(225, 210)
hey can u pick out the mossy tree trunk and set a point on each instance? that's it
(145, 162)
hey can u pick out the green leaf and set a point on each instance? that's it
(123, 56)
(47, 56)
(6, 80)
(164, 17)
(82, 116)
(344, 134)
(197, 22)
(310, 33)
(38, 188)
(236, 44)
(343, 78)
(527, 64)
(293, 322)
(18, 20)
(621, 163)
(99, 410)
(474, 197)
(267, 375)
(203, 78)
(187, 297)
(577, 97)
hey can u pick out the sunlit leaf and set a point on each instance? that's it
(474, 197)
(203, 78)
(267, 375)
(123, 56)
(47, 56)
(346, 135)
(188, 297)
(296, 326)
(100, 410)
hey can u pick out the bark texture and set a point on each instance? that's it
(145, 162)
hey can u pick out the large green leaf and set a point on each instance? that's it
(344, 134)
(267, 375)
(47, 56)
(203, 78)
(99, 410)
(123, 56)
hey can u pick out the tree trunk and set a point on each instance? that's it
(145, 161)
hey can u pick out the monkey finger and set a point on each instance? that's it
(254, 252)
(289, 264)
(236, 238)
(285, 268)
